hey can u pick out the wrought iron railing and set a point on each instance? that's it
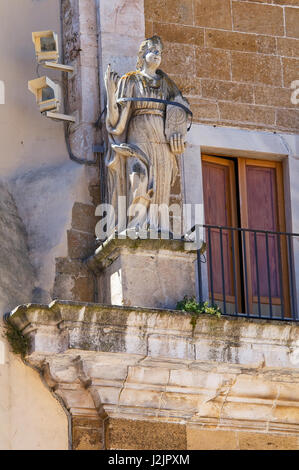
(250, 273)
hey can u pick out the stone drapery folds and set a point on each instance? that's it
(145, 135)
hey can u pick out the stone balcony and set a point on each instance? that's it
(137, 378)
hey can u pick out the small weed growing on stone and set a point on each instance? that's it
(190, 305)
(19, 344)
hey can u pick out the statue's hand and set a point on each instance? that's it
(111, 81)
(177, 144)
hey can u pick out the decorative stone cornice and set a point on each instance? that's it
(111, 248)
(147, 364)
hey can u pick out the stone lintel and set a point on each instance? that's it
(149, 365)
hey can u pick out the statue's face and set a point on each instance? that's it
(153, 54)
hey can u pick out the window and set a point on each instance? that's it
(248, 269)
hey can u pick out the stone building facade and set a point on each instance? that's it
(130, 377)
(241, 58)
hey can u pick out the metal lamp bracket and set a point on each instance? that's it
(71, 69)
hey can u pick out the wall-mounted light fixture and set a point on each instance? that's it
(46, 46)
(48, 93)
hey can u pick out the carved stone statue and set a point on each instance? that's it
(147, 124)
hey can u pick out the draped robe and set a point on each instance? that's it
(146, 176)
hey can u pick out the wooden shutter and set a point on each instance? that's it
(219, 188)
(262, 208)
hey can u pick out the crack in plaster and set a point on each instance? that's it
(229, 387)
(161, 399)
(274, 404)
(123, 386)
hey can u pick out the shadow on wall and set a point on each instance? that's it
(17, 275)
(45, 197)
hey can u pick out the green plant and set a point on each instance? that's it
(192, 306)
(18, 342)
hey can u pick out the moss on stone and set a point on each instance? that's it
(18, 342)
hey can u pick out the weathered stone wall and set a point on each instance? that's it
(46, 185)
(80, 45)
(73, 280)
(46, 197)
(25, 403)
(234, 59)
(16, 271)
(27, 139)
(149, 380)
(145, 435)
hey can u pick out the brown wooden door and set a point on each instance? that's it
(220, 208)
(262, 208)
(250, 271)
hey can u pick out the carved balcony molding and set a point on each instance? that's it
(146, 364)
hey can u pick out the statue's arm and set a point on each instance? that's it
(111, 84)
(178, 137)
(178, 140)
(117, 116)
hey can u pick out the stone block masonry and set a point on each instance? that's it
(137, 378)
(236, 59)
(72, 279)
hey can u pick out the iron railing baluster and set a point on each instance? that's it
(222, 270)
(257, 275)
(246, 274)
(269, 275)
(234, 271)
(280, 276)
(211, 265)
(289, 262)
(292, 286)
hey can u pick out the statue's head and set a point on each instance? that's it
(150, 51)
